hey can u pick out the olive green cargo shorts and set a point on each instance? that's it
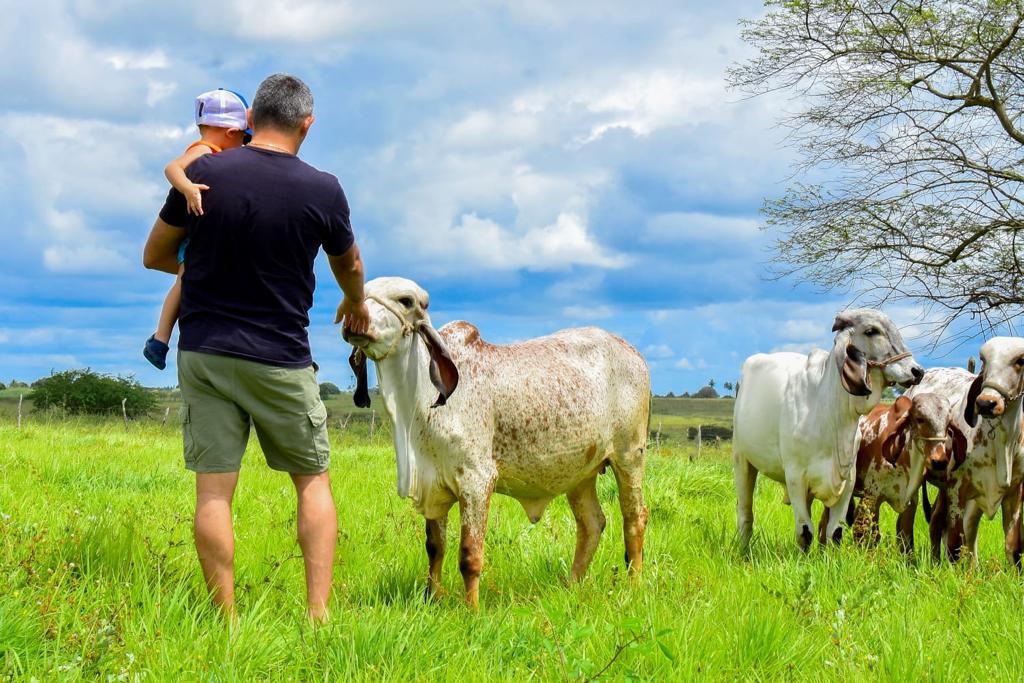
(221, 393)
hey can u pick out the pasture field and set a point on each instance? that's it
(98, 580)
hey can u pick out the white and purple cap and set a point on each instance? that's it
(223, 109)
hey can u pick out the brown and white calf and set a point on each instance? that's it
(899, 444)
(987, 409)
(531, 420)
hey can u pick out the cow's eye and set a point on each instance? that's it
(871, 332)
(406, 301)
(1019, 363)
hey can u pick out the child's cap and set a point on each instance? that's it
(223, 109)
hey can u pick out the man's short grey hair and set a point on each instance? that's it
(283, 102)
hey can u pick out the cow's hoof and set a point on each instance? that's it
(837, 535)
(806, 537)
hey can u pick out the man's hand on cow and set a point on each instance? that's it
(355, 314)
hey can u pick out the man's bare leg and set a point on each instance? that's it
(215, 538)
(318, 536)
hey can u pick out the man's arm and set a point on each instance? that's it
(348, 271)
(161, 251)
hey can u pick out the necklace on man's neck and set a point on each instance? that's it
(269, 145)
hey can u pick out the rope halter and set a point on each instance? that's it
(889, 361)
(408, 328)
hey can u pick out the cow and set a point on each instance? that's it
(531, 420)
(899, 444)
(989, 476)
(795, 419)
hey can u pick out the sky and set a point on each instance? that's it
(533, 165)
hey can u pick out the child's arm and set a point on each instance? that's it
(175, 173)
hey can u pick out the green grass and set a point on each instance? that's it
(98, 580)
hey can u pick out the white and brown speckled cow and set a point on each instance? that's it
(532, 420)
(987, 408)
(899, 444)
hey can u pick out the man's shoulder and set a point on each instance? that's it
(326, 179)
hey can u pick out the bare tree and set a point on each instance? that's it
(908, 123)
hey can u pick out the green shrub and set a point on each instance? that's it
(328, 389)
(706, 392)
(88, 392)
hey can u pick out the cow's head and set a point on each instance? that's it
(934, 438)
(1001, 380)
(867, 339)
(398, 321)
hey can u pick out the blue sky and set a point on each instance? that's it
(534, 165)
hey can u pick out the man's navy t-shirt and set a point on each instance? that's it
(248, 283)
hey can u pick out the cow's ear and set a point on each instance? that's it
(842, 322)
(853, 371)
(901, 412)
(443, 372)
(357, 360)
(970, 413)
(959, 445)
(897, 425)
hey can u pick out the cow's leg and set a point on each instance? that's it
(589, 524)
(634, 513)
(1012, 526)
(799, 498)
(971, 520)
(937, 523)
(436, 541)
(905, 527)
(745, 475)
(822, 526)
(838, 514)
(473, 509)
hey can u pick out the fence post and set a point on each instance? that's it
(700, 441)
(167, 412)
(124, 412)
(657, 439)
(373, 421)
(21, 397)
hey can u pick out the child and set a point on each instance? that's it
(222, 119)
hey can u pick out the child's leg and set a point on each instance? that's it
(169, 313)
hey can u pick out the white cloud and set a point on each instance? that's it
(84, 259)
(684, 364)
(796, 347)
(138, 61)
(158, 91)
(645, 102)
(801, 329)
(696, 226)
(658, 351)
(588, 312)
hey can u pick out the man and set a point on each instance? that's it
(243, 347)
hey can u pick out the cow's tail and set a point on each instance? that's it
(926, 507)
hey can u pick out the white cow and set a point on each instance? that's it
(531, 420)
(796, 418)
(987, 410)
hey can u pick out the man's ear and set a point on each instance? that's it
(443, 372)
(357, 360)
(248, 118)
(306, 125)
